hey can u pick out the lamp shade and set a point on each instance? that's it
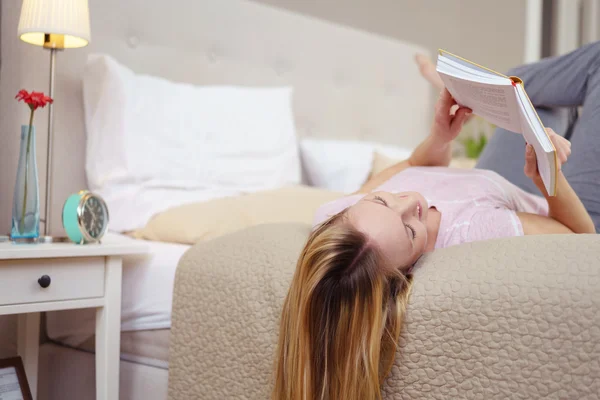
(55, 23)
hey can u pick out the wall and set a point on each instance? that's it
(490, 32)
(472, 28)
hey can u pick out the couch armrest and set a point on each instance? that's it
(509, 318)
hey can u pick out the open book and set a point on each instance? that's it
(501, 100)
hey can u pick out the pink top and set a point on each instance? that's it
(475, 204)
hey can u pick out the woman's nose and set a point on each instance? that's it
(410, 206)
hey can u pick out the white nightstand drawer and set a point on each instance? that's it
(70, 278)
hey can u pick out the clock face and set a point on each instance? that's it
(94, 217)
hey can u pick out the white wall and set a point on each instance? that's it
(489, 32)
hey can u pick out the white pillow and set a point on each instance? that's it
(153, 144)
(342, 165)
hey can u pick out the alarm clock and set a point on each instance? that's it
(85, 217)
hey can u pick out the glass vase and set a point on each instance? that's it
(26, 199)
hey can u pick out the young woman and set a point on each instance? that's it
(344, 311)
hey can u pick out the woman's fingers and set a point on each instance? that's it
(560, 151)
(562, 157)
(556, 138)
(530, 162)
(442, 108)
(459, 119)
(562, 145)
(566, 145)
(566, 152)
(567, 142)
(445, 103)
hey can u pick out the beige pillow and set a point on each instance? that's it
(381, 162)
(463, 162)
(194, 222)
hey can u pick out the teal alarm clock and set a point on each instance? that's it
(85, 217)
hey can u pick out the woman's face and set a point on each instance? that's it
(396, 222)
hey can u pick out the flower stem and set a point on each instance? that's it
(22, 223)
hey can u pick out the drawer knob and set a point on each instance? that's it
(44, 281)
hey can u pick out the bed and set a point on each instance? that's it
(353, 92)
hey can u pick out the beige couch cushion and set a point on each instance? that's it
(513, 318)
(195, 222)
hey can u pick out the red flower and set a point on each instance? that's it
(33, 99)
(22, 95)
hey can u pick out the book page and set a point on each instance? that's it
(545, 160)
(535, 134)
(455, 69)
(536, 125)
(497, 103)
(468, 64)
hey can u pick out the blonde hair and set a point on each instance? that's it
(341, 319)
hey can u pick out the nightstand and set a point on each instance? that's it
(48, 277)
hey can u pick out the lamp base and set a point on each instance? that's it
(53, 239)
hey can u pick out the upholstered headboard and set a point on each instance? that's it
(348, 83)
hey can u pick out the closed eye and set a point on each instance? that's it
(414, 232)
(381, 200)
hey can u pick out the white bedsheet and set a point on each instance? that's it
(147, 297)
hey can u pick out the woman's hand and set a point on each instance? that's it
(566, 212)
(446, 126)
(563, 151)
(436, 149)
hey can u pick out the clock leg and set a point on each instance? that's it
(28, 344)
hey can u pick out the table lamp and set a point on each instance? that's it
(54, 25)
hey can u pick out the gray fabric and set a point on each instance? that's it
(566, 82)
(512, 318)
